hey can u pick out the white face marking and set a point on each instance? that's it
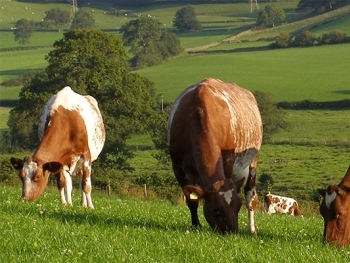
(29, 169)
(330, 198)
(227, 196)
(28, 173)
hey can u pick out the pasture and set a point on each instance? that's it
(314, 153)
(120, 230)
(287, 74)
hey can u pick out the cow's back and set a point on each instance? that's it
(84, 118)
(228, 114)
(210, 105)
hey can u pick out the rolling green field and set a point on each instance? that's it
(317, 73)
(120, 230)
(17, 63)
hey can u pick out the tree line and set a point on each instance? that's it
(307, 39)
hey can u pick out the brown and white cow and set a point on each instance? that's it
(214, 134)
(335, 210)
(71, 131)
(280, 204)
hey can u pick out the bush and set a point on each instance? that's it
(8, 174)
(333, 37)
(283, 40)
(305, 39)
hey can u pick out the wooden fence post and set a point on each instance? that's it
(145, 190)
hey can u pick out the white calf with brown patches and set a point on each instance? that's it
(281, 204)
(214, 135)
(71, 132)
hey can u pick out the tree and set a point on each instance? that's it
(266, 182)
(186, 19)
(269, 15)
(23, 31)
(82, 20)
(56, 17)
(94, 63)
(305, 39)
(148, 43)
(319, 6)
(283, 40)
(272, 117)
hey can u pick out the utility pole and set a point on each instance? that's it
(74, 6)
(251, 5)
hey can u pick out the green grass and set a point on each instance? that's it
(9, 93)
(38, 40)
(325, 127)
(287, 74)
(17, 63)
(303, 168)
(125, 230)
(12, 11)
(341, 24)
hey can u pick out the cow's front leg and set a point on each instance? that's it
(68, 187)
(61, 183)
(251, 199)
(86, 186)
(193, 207)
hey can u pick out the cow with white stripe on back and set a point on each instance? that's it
(71, 131)
(281, 204)
(214, 135)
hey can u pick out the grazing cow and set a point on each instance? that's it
(71, 131)
(280, 204)
(214, 136)
(335, 210)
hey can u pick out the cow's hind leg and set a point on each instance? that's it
(251, 198)
(86, 186)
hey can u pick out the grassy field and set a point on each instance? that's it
(17, 63)
(120, 230)
(291, 74)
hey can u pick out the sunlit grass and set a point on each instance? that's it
(125, 230)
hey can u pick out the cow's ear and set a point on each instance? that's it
(53, 167)
(322, 192)
(16, 163)
(192, 193)
(218, 185)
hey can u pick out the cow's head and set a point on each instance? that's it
(221, 204)
(335, 210)
(34, 176)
